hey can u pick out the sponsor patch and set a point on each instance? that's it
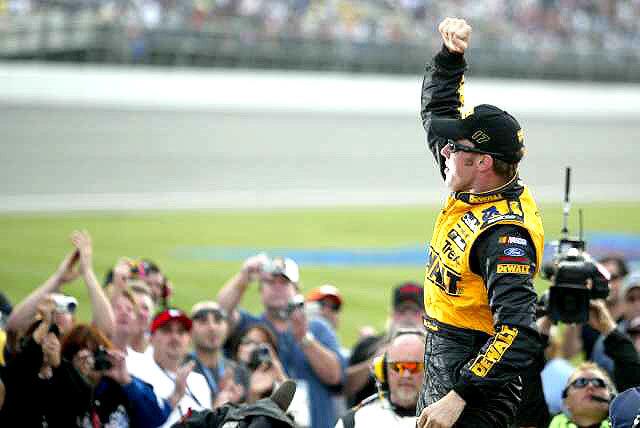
(480, 137)
(457, 239)
(501, 342)
(475, 199)
(513, 268)
(512, 240)
(513, 259)
(514, 252)
(471, 221)
(496, 218)
(490, 212)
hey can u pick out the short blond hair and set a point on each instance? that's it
(590, 365)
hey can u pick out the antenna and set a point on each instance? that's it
(580, 225)
(567, 204)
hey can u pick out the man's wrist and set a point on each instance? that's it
(307, 339)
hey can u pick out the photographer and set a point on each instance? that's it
(117, 397)
(42, 389)
(256, 350)
(308, 349)
(629, 294)
(79, 262)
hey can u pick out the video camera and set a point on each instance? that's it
(575, 276)
(65, 303)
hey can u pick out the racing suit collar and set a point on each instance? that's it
(510, 190)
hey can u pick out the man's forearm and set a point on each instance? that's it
(357, 377)
(231, 293)
(325, 363)
(103, 317)
(24, 313)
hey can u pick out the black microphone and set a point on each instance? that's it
(600, 399)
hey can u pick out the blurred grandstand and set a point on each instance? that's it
(551, 39)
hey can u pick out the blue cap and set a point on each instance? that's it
(624, 411)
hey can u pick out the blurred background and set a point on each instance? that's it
(269, 114)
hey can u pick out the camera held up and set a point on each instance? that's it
(101, 359)
(260, 355)
(575, 276)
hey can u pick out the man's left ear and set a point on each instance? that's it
(486, 162)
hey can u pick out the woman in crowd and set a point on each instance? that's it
(118, 399)
(256, 349)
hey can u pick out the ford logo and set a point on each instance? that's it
(514, 252)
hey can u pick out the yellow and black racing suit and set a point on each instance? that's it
(479, 295)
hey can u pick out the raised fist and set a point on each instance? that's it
(455, 34)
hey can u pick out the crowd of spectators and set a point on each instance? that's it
(541, 26)
(141, 362)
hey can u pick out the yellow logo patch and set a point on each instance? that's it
(501, 342)
(520, 136)
(474, 199)
(511, 268)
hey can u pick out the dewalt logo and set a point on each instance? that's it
(513, 268)
(501, 342)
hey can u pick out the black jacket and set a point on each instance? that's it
(626, 360)
(31, 402)
(493, 399)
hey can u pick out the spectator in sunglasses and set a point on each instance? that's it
(208, 334)
(399, 380)
(586, 398)
(407, 311)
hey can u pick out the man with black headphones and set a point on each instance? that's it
(398, 374)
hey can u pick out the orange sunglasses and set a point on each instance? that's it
(400, 366)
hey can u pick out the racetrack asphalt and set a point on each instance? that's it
(68, 158)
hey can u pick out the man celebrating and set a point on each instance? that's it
(398, 376)
(485, 250)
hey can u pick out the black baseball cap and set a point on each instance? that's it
(489, 128)
(408, 292)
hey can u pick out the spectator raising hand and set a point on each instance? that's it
(67, 271)
(82, 242)
(78, 262)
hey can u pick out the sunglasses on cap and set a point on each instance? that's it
(582, 382)
(202, 315)
(400, 367)
(454, 147)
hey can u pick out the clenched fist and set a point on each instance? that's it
(455, 34)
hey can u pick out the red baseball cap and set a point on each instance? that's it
(168, 315)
